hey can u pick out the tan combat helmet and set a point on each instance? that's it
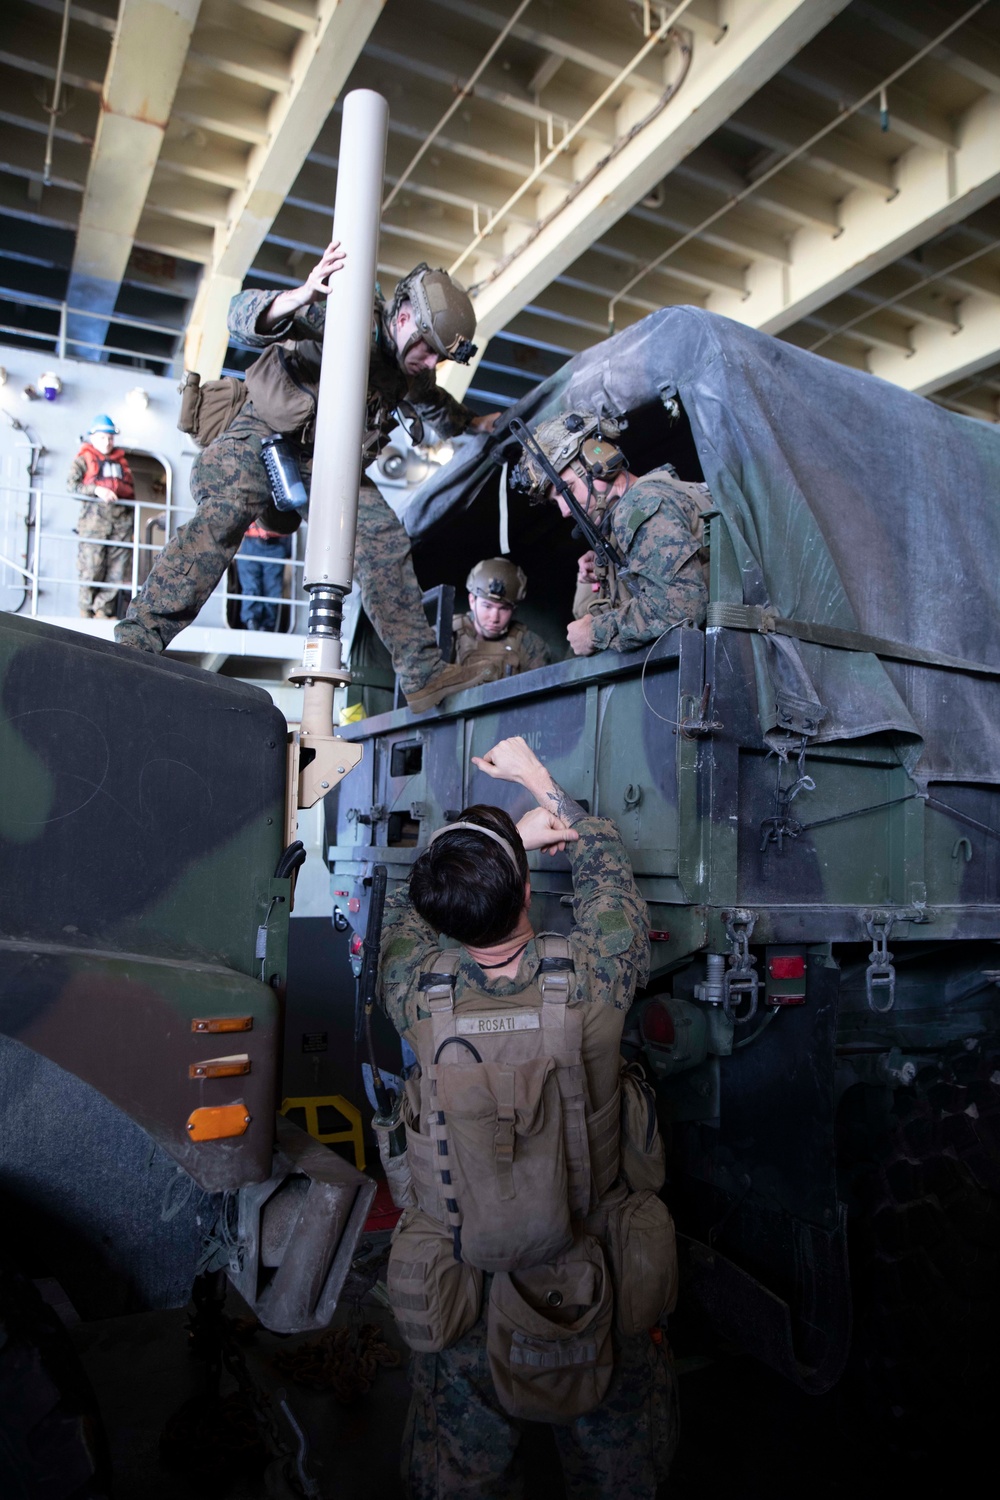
(499, 580)
(442, 312)
(577, 440)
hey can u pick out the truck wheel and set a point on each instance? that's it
(52, 1444)
(922, 1179)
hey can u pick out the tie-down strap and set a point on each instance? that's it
(765, 621)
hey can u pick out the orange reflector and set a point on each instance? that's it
(223, 1023)
(221, 1067)
(218, 1123)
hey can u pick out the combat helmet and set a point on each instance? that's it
(498, 579)
(577, 440)
(442, 312)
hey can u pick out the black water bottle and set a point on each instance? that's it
(283, 474)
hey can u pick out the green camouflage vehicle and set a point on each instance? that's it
(147, 890)
(808, 788)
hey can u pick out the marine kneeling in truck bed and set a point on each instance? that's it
(652, 576)
(527, 1277)
(489, 636)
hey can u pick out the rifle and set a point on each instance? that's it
(367, 983)
(604, 551)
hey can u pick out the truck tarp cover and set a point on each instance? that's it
(850, 502)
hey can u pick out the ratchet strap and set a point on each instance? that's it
(763, 620)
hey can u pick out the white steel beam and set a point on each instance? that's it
(135, 106)
(940, 357)
(934, 190)
(322, 59)
(762, 35)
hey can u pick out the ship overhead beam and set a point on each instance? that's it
(319, 67)
(511, 268)
(136, 101)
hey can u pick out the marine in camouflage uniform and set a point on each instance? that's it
(230, 489)
(101, 520)
(459, 1440)
(488, 634)
(655, 523)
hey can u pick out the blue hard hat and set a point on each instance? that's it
(103, 423)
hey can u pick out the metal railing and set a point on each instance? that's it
(62, 341)
(43, 573)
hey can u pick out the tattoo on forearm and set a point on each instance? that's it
(563, 805)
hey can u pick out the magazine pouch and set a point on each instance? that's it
(434, 1297)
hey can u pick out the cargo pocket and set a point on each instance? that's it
(642, 1250)
(434, 1297)
(549, 1336)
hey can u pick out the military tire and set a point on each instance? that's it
(922, 1180)
(52, 1444)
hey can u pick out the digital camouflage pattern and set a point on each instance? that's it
(460, 1442)
(520, 650)
(229, 487)
(657, 527)
(609, 942)
(102, 521)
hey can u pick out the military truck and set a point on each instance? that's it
(807, 788)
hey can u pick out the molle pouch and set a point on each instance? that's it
(643, 1154)
(549, 1336)
(396, 1168)
(642, 1251)
(434, 1297)
(507, 1155)
(208, 409)
(280, 390)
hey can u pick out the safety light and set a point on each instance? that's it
(787, 966)
(357, 943)
(657, 1025)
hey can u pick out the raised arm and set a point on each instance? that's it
(514, 760)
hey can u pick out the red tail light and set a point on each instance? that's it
(788, 966)
(658, 1025)
(357, 943)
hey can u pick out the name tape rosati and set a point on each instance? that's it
(518, 1020)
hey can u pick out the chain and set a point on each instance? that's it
(782, 825)
(739, 980)
(880, 976)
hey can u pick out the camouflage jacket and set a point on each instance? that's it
(609, 944)
(520, 650)
(657, 527)
(387, 383)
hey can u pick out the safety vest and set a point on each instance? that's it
(108, 469)
(503, 657)
(507, 1148)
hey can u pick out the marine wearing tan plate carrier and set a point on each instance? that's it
(502, 648)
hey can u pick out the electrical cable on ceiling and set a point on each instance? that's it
(878, 92)
(543, 166)
(52, 110)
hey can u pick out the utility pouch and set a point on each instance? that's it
(434, 1297)
(643, 1154)
(549, 1336)
(282, 394)
(396, 1168)
(207, 410)
(507, 1156)
(642, 1251)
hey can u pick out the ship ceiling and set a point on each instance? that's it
(826, 171)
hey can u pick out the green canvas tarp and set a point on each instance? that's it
(850, 503)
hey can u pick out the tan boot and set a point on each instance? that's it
(451, 679)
